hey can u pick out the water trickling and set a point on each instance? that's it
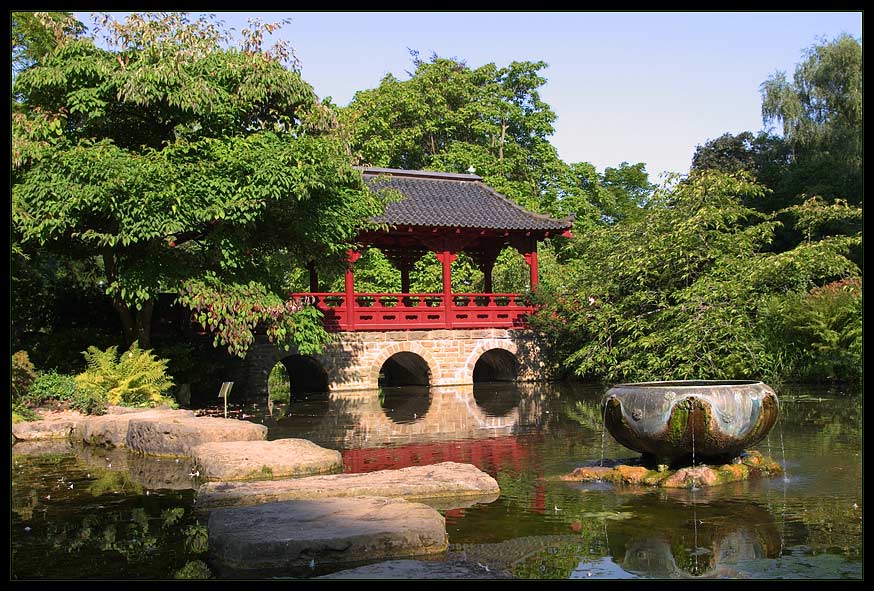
(603, 431)
(783, 455)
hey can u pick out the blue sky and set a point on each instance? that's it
(626, 86)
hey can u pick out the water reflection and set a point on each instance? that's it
(538, 528)
(669, 540)
(408, 415)
(405, 405)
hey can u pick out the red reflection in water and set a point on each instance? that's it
(489, 455)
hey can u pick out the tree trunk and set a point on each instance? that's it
(144, 325)
(136, 326)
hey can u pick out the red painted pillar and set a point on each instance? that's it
(446, 257)
(531, 259)
(351, 257)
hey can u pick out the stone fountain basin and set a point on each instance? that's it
(677, 421)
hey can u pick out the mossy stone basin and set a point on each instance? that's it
(676, 422)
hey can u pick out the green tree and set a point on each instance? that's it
(36, 34)
(450, 117)
(679, 292)
(183, 160)
(820, 112)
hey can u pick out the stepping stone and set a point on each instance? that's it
(264, 460)
(110, 430)
(419, 569)
(42, 447)
(56, 428)
(292, 536)
(178, 436)
(444, 480)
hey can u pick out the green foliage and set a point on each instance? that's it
(278, 384)
(180, 159)
(820, 111)
(21, 413)
(233, 312)
(136, 378)
(448, 116)
(193, 569)
(818, 334)
(196, 539)
(51, 386)
(679, 293)
(35, 34)
(23, 374)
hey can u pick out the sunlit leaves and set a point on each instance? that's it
(679, 293)
(176, 156)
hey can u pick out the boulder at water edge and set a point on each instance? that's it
(263, 460)
(178, 436)
(283, 538)
(437, 481)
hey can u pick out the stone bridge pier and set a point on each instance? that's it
(366, 360)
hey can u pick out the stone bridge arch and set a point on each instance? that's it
(402, 347)
(483, 347)
(353, 362)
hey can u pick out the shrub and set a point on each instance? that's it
(21, 413)
(51, 386)
(193, 569)
(89, 402)
(136, 378)
(278, 384)
(818, 334)
(23, 374)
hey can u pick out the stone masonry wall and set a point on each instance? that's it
(353, 362)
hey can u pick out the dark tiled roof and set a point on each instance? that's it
(444, 199)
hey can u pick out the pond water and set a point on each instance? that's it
(90, 513)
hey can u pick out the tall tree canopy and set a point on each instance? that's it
(184, 161)
(813, 171)
(451, 117)
(689, 290)
(820, 112)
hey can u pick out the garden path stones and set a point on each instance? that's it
(59, 427)
(264, 460)
(111, 429)
(284, 537)
(178, 436)
(444, 480)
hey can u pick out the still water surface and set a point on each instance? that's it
(86, 513)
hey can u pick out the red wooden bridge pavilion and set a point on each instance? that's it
(444, 213)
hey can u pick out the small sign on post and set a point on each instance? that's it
(224, 392)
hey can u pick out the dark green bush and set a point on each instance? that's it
(51, 386)
(23, 374)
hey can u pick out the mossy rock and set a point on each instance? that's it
(750, 465)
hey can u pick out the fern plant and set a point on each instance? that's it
(135, 378)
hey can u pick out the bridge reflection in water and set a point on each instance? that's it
(394, 428)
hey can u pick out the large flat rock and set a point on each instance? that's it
(110, 430)
(42, 447)
(419, 569)
(286, 537)
(178, 436)
(45, 429)
(447, 479)
(264, 460)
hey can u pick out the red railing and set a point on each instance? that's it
(420, 311)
